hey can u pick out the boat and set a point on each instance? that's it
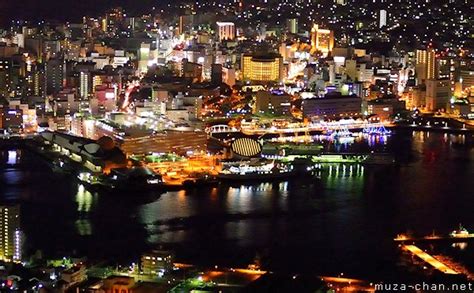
(205, 180)
(133, 179)
(265, 171)
(348, 158)
(460, 233)
(379, 159)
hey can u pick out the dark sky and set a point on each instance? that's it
(64, 9)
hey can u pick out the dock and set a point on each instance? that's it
(440, 266)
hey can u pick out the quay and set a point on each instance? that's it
(437, 264)
(464, 238)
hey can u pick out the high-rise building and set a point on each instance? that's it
(382, 18)
(185, 23)
(431, 70)
(426, 65)
(84, 84)
(466, 78)
(226, 30)
(10, 233)
(144, 57)
(438, 94)
(216, 74)
(322, 40)
(5, 68)
(54, 75)
(292, 25)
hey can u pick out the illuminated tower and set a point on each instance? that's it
(10, 233)
(322, 40)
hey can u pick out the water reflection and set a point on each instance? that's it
(84, 199)
(460, 245)
(85, 203)
(12, 157)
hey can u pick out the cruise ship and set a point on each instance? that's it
(265, 170)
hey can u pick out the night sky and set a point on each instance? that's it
(64, 9)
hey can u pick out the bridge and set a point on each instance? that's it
(221, 128)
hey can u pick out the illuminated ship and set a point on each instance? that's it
(460, 233)
(348, 158)
(122, 179)
(265, 170)
(137, 178)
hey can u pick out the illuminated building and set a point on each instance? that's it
(322, 40)
(97, 80)
(276, 101)
(466, 78)
(431, 65)
(228, 76)
(74, 275)
(192, 70)
(10, 236)
(135, 140)
(438, 94)
(262, 67)
(156, 262)
(54, 75)
(144, 57)
(443, 68)
(39, 81)
(226, 30)
(382, 18)
(112, 20)
(415, 97)
(425, 65)
(99, 156)
(185, 23)
(84, 84)
(383, 109)
(11, 119)
(333, 105)
(292, 25)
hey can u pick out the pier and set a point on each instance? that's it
(415, 250)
